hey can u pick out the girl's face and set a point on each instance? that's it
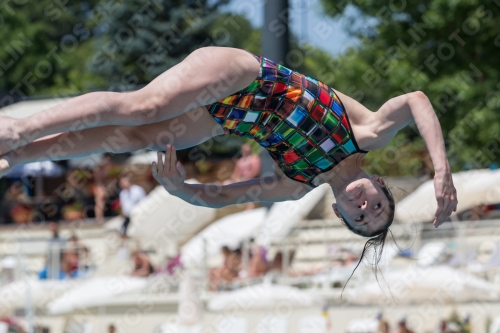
(364, 205)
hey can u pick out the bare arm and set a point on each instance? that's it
(270, 189)
(171, 175)
(401, 111)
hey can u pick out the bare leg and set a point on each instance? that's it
(184, 131)
(205, 76)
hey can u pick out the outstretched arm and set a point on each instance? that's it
(400, 111)
(171, 175)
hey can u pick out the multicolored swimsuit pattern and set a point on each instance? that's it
(299, 120)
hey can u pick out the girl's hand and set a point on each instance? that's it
(446, 196)
(169, 173)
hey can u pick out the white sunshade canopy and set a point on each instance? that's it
(284, 216)
(228, 231)
(362, 326)
(95, 292)
(419, 284)
(14, 295)
(473, 187)
(263, 296)
(44, 168)
(162, 217)
(27, 108)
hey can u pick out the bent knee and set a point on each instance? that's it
(231, 60)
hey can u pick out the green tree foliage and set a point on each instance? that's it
(447, 49)
(236, 31)
(140, 40)
(43, 47)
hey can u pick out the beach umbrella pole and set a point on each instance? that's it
(246, 255)
(286, 258)
(29, 305)
(204, 265)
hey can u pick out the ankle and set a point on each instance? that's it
(21, 131)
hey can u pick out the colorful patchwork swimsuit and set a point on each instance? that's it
(299, 120)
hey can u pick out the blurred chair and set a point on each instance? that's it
(232, 325)
(430, 253)
(312, 324)
(272, 325)
(495, 325)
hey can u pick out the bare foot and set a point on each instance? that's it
(9, 134)
(5, 166)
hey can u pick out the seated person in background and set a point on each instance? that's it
(80, 252)
(130, 195)
(68, 268)
(232, 266)
(98, 187)
(216, 273)
(258, 264)
(247, 167)
(57, 244)
(16, 205)
(229, 270)
(276, 266)
(442, 327)
(142, 267)
(171, 265)
(402, 328)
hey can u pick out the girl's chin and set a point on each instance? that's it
(352, 188)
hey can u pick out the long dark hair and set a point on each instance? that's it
(377, 238)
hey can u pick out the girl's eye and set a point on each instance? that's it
(360, 218)
(377, 206)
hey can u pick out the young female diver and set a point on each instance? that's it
(314, 133)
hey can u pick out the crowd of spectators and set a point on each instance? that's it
(105, 190)
(80, 193)
(234, 270)
(70, 259)
(454, 324)
(402, 326)
(66, 258)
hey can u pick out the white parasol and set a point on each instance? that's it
(263, 296)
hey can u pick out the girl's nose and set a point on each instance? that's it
(363, 205)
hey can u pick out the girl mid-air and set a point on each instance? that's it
(314, 133)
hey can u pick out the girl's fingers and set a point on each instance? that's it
(154, 169)
(173, 159)
(160, 163)
(438, 212)
(168, 156)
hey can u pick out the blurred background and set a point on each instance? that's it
(93, 244)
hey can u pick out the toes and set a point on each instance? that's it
(4, 166)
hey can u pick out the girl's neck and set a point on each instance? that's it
(343, 173)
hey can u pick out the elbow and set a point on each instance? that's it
(417, 100)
